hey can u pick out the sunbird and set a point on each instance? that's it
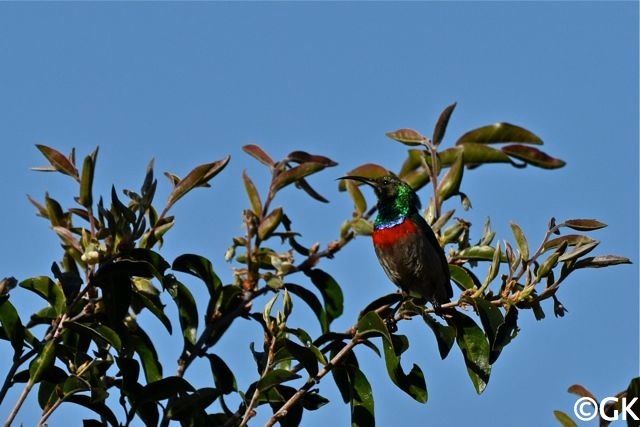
(405, 244)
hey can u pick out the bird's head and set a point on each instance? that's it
(394, 195)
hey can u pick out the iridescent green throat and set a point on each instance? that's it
(392, 211)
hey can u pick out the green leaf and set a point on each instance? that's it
(304, 157)
(43, 362)
(222, 375)
(571, 239)
(151, 302)
(307, 188)
(579, 250)
(275, 377)
(491, 319)
(143, 345)
(564, 419)
(499, 133)
(533, 156)
(54, 212)
(11, 324)
(474, 154)
(602, 261)
(371, 324)
(165, 388)
(98, 407)
(450, 184)
(312, 301)
(201, 268)
(463, 277)
(359, 202)
(445, 335)
(187, 310)
(47, 289)
(484, 253)
(294, 174)
(252, 193)
(304, 355)
(475, 349)
(258, 153)
(100, 333)
(441, 124)
(270, 223)
(505, 333)
(330, 291)
(86, 181)
(198, 177)
(494, 269)
(361, 399)
(412, 383)
(59, 161)
(407, 136)
(584, 224)
(521, 239)
(185, 407)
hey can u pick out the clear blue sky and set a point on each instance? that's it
(190, 83)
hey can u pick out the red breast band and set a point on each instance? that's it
(390, 235)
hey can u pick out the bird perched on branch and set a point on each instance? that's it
(407, 248)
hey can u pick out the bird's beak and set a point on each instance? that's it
(362, 179)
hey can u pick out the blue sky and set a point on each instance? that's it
(191, 83)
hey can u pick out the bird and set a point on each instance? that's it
(406, 246)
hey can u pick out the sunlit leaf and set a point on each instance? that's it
(602, 261)
(521, 239)
(450, 184)
(294, 174)
(86, 181)
(359, 202)
(533, 156)
(499, 133)
(252, 192)
(407, 136)
(43, 362)
(584, 224)
(441, 124)
(259, 154)
(47, 289)
(59, 161)
(198, 177)
(462, 277)
(564, 419)
(270, 223)
(304, 157)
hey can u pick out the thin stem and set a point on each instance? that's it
(433, 174)
(14, 367)
(337, 359)
(18, 405)
(250, 410)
